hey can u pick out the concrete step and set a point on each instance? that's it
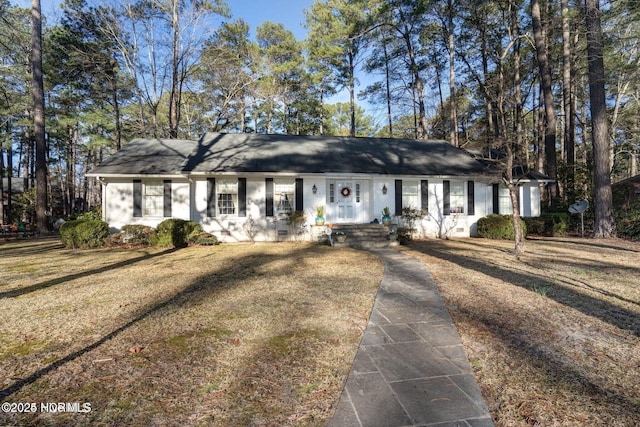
(363, 236)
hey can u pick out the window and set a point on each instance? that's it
(504, 201)
(284, 196)
(153, 198)
(410, 194)
(456, 197)
(332, 193)
(227, 196)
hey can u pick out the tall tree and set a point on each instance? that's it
(38, 118)
(335, 26)
(546, 83)
(604, 225)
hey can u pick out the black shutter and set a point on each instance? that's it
(167, 199)
(446, 197)
(211, 197)
(496, 198)
(137, 198)
(471, 207)
(242, 196)
(424, 195)
(299, 195)
(268, 183)
(398, 197)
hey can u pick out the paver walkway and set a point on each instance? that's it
(410, 369)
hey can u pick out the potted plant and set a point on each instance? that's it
(386, 216)
(320, 215)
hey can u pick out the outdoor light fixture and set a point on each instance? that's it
(314, 189)
(384, 189)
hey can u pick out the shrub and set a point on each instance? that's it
(175, 232)
(405, 235)
(549, 224)
(499, 227)
(137, 234)
(84, 233)
(204, 239)
(535, 225)
(628, 222)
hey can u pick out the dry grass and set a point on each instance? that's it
(227, 335)
(553, 335)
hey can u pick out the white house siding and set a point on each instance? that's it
(255, 225)
(118, 199)
(189, 202)
(436, 224)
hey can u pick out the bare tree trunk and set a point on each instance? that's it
(567, 100)
(38, 103)
(549, 109)
(2, 220)
(174, 103)
(116, 106)
(352, 96)
(387, 71)
(604, 226)
(453, 132)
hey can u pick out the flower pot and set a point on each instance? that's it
(319, 221)
(386, 220)
(341, 238)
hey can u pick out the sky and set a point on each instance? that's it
(255, 12)
(288, 12)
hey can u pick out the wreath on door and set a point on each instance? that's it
(346, 191)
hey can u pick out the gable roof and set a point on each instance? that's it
(244, 153)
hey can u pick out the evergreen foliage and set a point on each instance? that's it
(84, 234)
(498, 227)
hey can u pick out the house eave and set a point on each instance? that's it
(136, 176)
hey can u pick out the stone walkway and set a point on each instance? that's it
(410, 369)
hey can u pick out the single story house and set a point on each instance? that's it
(241, 186)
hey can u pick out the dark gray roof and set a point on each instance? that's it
(148, 157)
(243, 153)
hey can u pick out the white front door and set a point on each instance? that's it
(345, 200)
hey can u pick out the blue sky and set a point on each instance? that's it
(255, 12)
(288, 12)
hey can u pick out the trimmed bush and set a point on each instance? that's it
(535, 225)
(549, 224)
(203, 239)
(499, 227)
(84, 233)
(175, 232)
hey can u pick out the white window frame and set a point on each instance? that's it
(284, 196)
(504, 201)
(153, 198)
(411, 194)
(457, 197)
(227, 197)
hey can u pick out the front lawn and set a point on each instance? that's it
(240, 335)
(553, 335)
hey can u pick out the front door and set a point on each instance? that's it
(345, 200)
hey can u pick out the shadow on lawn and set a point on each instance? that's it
(560, 373)
(242, 268)
(557, 370)
(612, 314)
(60, 280)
